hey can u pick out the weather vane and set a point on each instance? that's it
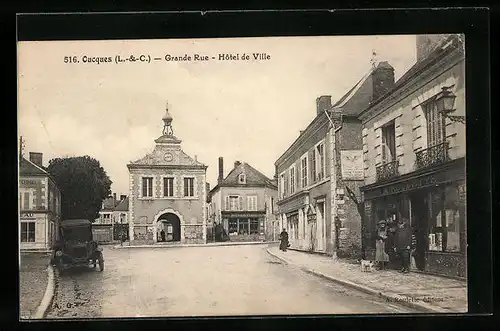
(374, 59)
(167, 120)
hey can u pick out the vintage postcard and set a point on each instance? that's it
(242, 176)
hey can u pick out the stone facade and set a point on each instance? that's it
(39, 206)
(309, 209)
(414, 158)
(250, 216)
(167, 192)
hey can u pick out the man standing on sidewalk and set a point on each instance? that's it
(403, 244)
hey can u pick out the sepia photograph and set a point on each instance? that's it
(319, 175)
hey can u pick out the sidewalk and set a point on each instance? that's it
(174, 245)
(422, 292)
(35, 284)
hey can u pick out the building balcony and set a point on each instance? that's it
(431, 156)
(388, 170)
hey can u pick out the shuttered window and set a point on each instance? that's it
(435, 125)
(252, 203)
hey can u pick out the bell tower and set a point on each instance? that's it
(167, 123)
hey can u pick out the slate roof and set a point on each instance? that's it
(253, 177)
(109, 204)
(123, 205)
(420, 66)
(164, 144)
(28, 168)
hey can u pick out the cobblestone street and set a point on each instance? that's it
(237, 280)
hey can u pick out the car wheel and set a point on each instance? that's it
(101, 262)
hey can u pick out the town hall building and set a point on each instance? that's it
(167, 193)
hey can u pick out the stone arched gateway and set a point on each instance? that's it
(163, 215)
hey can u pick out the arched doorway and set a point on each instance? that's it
(171, 225)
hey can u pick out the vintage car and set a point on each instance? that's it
(76, 247)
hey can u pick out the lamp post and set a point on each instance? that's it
(445, 101)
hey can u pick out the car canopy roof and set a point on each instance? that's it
(75, 222)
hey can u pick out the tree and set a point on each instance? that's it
(83, 183)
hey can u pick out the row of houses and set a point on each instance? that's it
(386, 149)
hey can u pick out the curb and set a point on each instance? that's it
(195, 245)
(48, 296)
(396, 299)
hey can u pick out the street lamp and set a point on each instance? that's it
(445, 101)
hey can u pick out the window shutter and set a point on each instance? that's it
(249, 203)
(227, 203)
(240, 199)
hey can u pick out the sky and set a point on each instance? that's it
(249, 110)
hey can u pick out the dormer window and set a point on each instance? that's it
(242, 179)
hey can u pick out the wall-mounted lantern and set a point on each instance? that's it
(445, 101)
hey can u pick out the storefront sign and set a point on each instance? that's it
(29, 183)
(352, 164)
(27, 216)
(430, 179)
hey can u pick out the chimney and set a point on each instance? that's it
(114, 196)
(236, 163)
(382, 80)
(122, 197)
(323, 103)
(221, 169)
(208, 187)
(36, 158)
(196, 158)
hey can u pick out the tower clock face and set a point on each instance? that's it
(168, 157)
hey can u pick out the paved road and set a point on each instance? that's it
(206, 281)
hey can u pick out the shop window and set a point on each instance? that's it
(254, 226)
(437, 221)
(452, 216)
(233, 227)
(27, 232)
(243, 227)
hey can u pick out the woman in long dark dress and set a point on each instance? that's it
(283, 240)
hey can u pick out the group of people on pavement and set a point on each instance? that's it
(397, 232)
(394, 235)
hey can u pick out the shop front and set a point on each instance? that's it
(244, 226)
(433, 201)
